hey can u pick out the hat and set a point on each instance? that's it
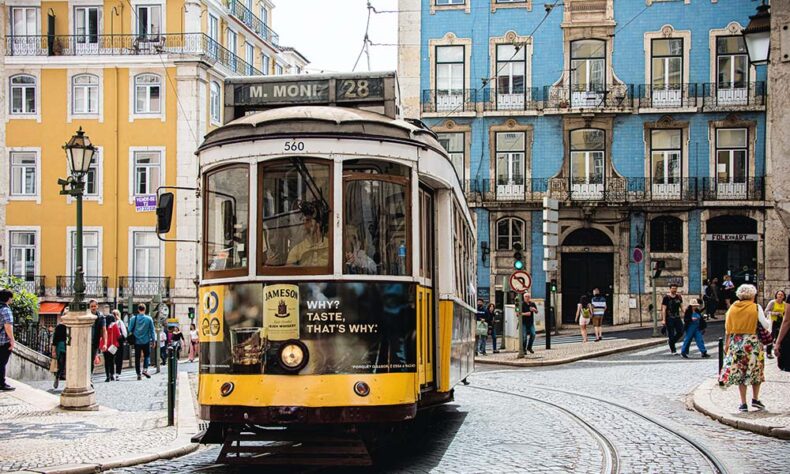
(694, 302)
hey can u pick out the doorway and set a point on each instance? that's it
(581, 272)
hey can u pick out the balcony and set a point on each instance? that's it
(515, 190)
(498, 100)
(240, 11)
(675, 190)
(617, 97)
(456, 100)
(188, 44)
(33, 283)
(95, 286)
(730, 96)
(675, 96)
(143, 286)
(735, 189)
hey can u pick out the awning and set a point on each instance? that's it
(51, 308)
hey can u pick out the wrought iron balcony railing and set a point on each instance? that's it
(735, 189)
(33, 283)
(667, 97)
(95, 286)
(240, 11)
(191, 44)
(733, 96)
(614, 97)
(663, 190)
(143, 286)
(456, 100)
(609, 189)
(498, 99)
(506, 190)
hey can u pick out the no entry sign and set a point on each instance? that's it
(520, 281)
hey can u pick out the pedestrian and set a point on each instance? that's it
(124, 333)
(695, 327)
(177, 341)
(711, 298)
(598, 302)
(527, 321)
(7, 341)
(164, 336)
(728, 290)
(98, 331)
(671, 307)
(59, 337)
(782, 345)
(110, 347)
(491, 319)
(194, 343)
(744, 362)
(141, 330)
(776, 313)
(583, 315)
(480, 314)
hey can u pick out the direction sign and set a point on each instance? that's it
(520, 281)
(638, 255)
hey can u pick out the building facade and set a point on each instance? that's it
(643, 118)
(144, 79)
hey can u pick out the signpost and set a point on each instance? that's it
(639, 255)
(551, 231)
(520, 282)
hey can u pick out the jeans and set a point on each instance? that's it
(163, 354)
(145, 350)
(481, 344)
(674, 331)
(5, 354)
(528, 330)
(119, 358)
(61, 374)
(493, 336)
(693, 332)
(109, 364)
(769, 349)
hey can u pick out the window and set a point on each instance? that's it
(509, 231)
(588, 73)
(86, 25)
(149, 22)
(85, 94)
(90, 253)
(667, 72)
(666, 162)
(249, 56)
(93, 176)
(215, 102)
(25, 30)
(147, 172)
(450, 2)
(511, 67)
(732, 70)
(22, 253)
(23, 95)
(510, 164)
(213, 34)
(265, 65)
(147, 94)
(732, 162)
(449, 77)
(278, 70)
(264, 13)
(666, 234)
(587, 163)
(376, 232)
(511, 1)
(146, 257)
(227, 217)
(24, 170)
(454, 144)
(426, 233)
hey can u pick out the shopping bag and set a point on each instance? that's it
(53, 366)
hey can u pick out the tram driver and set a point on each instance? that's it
(313, 249)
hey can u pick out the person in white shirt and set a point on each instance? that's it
(194, 343)
(121, 343)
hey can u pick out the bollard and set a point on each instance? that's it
(172, 370)
(721, 357)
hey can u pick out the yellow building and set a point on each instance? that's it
(144, 79)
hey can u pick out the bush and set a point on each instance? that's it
(25, 304)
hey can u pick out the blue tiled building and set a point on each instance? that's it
(643, 118)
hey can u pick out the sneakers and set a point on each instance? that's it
(684, 355)
(7, 388)
(743, 408)
(139, 377)
(145, 373)
(705, 355)
(757, 404)
(57, 382)
(531, 351)
(496, 352)
(769, 355)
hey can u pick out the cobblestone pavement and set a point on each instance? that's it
(484, 431)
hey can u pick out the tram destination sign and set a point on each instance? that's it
(302, 92)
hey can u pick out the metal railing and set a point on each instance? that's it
(95, 286)
(663, 190)
(459, 100)
(34, 337)
(240, 11)
(616, 97)
(736, 189)
(732, 96)
(33, 283)
(143, 286)
(193, 44)
(667, 97)
(517, 189)
(495, 99)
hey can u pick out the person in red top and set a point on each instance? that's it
(110, 347)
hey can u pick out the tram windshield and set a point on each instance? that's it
(227, 217)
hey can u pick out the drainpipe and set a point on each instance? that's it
(117, 172)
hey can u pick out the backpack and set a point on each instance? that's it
(586, 313)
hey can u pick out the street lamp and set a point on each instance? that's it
(79, 154)
(757, 36)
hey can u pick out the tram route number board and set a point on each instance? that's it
(520, 282)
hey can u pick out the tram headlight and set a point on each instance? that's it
(293, 356)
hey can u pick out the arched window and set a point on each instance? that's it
(23, 95)
(215, 102)
(666, 234)
(588, 73)
(509, 230)
(84, 94)
(147, 94)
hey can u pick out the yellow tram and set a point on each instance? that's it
(338, 252)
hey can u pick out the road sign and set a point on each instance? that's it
(164, 310)
(550, 266)
(520, 281)
(638, 255)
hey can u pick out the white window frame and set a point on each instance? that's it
(24, 42)
(130, 262)
(461, 173)
(133, 115)
(215, 102)
(24, 197)
(132, 168)
(86, 6)
(36, 230)
(162, 18)
(249, 57)
(278, 69)
(266, 64)
(99, 165)
(70, 230)
(510, 221)
(36, 114)
(512, 188)
(73, 94)
(232, 46)
(452, 98)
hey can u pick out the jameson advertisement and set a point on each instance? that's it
(346, 327)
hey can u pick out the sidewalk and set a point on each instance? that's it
(722, 404)
(129, 428)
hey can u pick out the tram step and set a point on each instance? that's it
(298, 449)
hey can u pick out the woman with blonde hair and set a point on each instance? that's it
(744, 363)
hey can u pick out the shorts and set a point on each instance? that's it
(584, 321)
(597, 321)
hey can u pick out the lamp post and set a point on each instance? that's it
(78, 394)
(757, 36)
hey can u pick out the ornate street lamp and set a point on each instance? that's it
(79, 153)
(757, 35)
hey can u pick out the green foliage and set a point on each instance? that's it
(25, 304)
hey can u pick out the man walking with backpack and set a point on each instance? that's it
(671, 308)
(141, 335)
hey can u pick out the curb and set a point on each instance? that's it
(567, 360)
(699, 397)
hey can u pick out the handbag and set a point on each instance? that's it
(482, 328)
(131, 339)
(53, 366)
(763, 335)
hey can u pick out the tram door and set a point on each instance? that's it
(425, 295)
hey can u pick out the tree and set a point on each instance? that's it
(25, 304)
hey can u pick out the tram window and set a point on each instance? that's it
(295, 207)
(227, 201)
(426, 234)
(376, 238)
